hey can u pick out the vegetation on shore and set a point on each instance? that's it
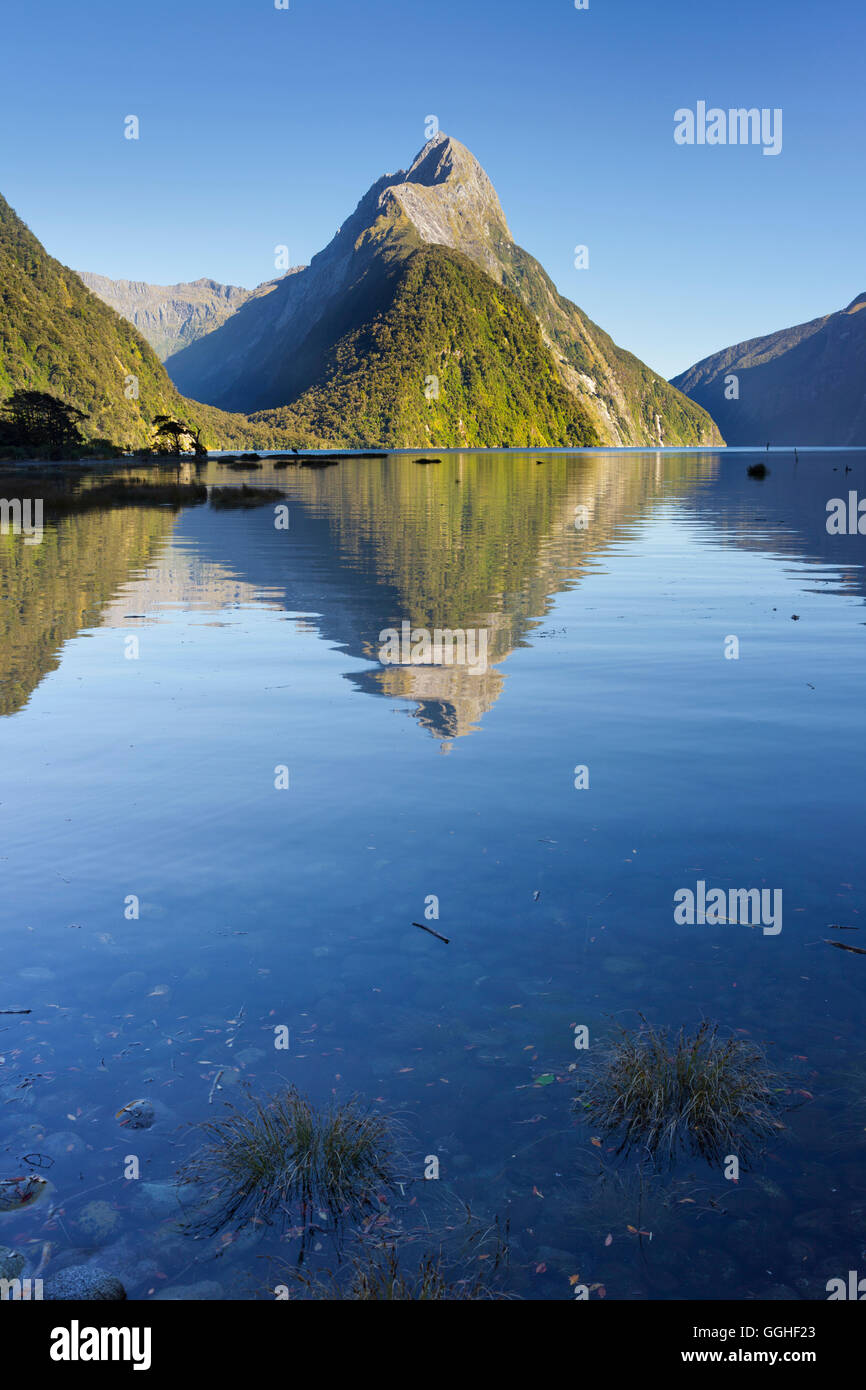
(58, 338)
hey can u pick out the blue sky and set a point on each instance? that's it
(262, 127)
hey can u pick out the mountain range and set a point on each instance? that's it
(168, 316)
(801, 385)
(422, 323)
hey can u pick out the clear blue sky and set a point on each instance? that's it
(262, 126)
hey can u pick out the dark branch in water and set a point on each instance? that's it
(421, 927)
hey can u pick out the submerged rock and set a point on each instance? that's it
(11, 1262)
(86, 1283)
(98, 1220)
(137, 1114)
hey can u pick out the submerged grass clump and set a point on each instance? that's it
(701, 1093)
(224, 498)
(283, 1157)
(469, 1264)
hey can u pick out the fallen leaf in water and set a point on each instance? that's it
(596, 1143)
(536, 1193)
(574, 1279)
(541, 1269)
(608, 1240)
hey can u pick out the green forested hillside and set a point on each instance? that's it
(56, 336)
(446, 319)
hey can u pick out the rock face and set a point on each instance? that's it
(170, 317)
(802, 385)
(291, 335)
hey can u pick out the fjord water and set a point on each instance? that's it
(610, 585)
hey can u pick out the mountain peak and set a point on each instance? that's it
(451, 201)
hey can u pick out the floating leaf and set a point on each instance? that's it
(546, 1079)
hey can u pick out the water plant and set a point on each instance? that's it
(699, 1092)
(391, 1270)
(282, 1157)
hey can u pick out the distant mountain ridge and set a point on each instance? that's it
(802, 385)
(170, 317)
(332, 337)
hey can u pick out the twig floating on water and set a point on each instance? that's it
(439, 937)
(216, 1082)
(841, 946)
(16, 1011)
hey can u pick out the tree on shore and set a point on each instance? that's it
(35, 418)
(175, 432)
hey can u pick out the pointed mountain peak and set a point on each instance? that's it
(443, 159)
(450, 200)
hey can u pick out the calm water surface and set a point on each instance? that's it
(258, 649)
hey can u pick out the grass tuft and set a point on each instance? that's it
(701, 1093)
(283, 1157)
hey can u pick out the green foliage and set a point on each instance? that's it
(497, 383)
(631, 392)
(37, 418)
(57, 337)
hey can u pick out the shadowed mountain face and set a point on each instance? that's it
(352, 342)
(801, 386)
(170, 317)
